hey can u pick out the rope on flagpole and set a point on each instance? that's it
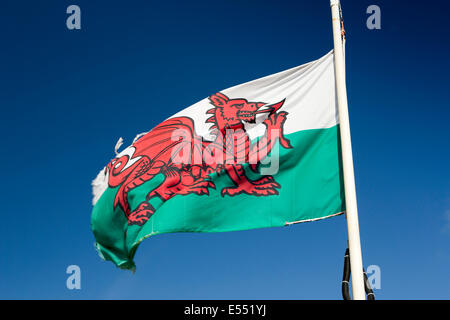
(346, 277)
(341, 17)
(343, 33)
(346, 280)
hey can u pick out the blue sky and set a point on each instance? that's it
(67, 96)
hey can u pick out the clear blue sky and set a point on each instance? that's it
(67, 96)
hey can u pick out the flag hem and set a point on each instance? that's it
(314, 219)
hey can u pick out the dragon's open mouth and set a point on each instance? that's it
(249, 116)
(246, 114)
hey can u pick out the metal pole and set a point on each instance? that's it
(347, 159)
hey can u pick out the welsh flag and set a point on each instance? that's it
(265, 153)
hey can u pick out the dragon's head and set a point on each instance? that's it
(231, 113)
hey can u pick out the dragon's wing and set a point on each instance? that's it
(174, 140)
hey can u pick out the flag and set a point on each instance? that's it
(265, 153)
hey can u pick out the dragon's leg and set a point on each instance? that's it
(264, 146)
(177, 181)
(141, 214)
(144, 210)
(264, 186)
(164, 191)
(182, 181)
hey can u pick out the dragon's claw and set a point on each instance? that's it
(264, 180)
(265, 186)
(141, 214)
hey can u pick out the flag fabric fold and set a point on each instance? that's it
(265, 153)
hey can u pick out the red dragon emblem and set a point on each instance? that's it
(154, 154)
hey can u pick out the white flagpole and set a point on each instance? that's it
(347, 159)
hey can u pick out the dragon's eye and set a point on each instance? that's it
(239, 106)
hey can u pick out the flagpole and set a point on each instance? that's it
(347, 159)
